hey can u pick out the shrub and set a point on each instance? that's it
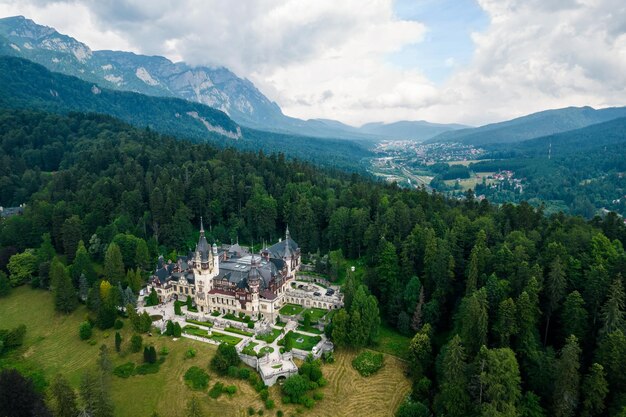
(118, 341)
(308, 402)
(233, 371)
(368, 363)
(243, 373)
(250, 325)
(269, 404)
(164, 351)
(148, 368)
(196, 378)
(149, 354)
(279, 413)
(125, 370)
(251, 411)
(230, 390)
(215, 313)
(216, 391)
(317, 396)
(225, 357)
(264, 394)
(191, 353)
(260, 412)
(84, 330)
(118, 324)
(135, 343)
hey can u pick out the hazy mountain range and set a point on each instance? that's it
(221, 89)
(158, 76)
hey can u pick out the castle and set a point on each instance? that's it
(231, 279)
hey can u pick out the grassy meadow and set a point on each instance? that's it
(52, 344)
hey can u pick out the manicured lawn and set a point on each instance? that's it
(217, 336)
(316, 314)
(291, 309)
(201, 323)
(231, 316)
(225, 338)
(269, 337)
(392, 342)
(310, 329)
(249, 349)
(241, 332)
(302, 341)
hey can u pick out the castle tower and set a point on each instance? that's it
(204, 254)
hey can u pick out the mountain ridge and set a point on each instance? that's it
(216, 87)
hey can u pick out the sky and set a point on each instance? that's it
(358, 61)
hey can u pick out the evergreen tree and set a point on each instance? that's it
(421, 350)
(387, 273)
(453, 399)
(114, 264)
(527, 339)
(142, 256)
(574, 316)
(567, 379)
(129, 297)
(18, 396)
(611, 354)
(65, 299)
(473, 321)
(72, 234)
(530, 406)
(613, 309)
(133, 277)
(506, 322)
(63, 398)
(177, 310)
(95, 396)
(154, 298)
(45, 252)
(555, 290)
(499, 382)
(82, 265)
(341, 326)
(118, 341)
(594, 390)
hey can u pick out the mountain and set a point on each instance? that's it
(158, 76)
(532, 126)
(24, 84)
(27, 85)
(415, 130)
(607, 136)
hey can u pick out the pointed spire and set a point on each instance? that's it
(201, 226)
(287, 234)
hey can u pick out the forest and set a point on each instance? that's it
(510, 312)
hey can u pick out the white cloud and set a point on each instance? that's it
(328, 58)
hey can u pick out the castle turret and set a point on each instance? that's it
(204, 255)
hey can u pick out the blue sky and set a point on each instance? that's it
(447, 43)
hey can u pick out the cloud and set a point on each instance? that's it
(330, 59)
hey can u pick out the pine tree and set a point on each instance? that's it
(421, 350)
(118, 341)
(555, 290)
(527, 339)
(134, 279)
(341, 325)
(416, 322)
(613, 308)
(114, 264)
(594, 390)
(177, 310)
(567, 379)
(142, 256)
(473, 321)
(82, 265)
(453, 399)
(72, 234)
(64, 294)
(497, 373)
(506, 322)
(574, 316)
(63, 398)
(95, 395)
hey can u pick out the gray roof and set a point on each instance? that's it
(283, 249)
(237, 270)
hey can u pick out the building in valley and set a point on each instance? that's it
(233, 280)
